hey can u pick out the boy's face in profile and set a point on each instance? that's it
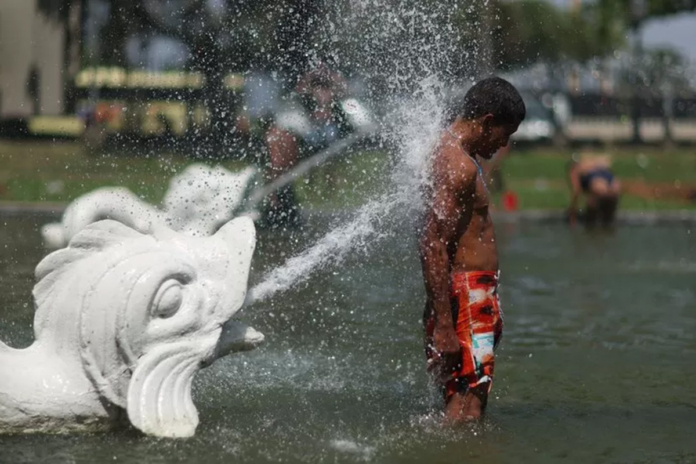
(493, 136)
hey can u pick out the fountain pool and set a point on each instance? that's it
(596, 364)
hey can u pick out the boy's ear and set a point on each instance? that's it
(487, 122)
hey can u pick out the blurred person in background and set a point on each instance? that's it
(591, 176)
(313, 128)
(320, 89)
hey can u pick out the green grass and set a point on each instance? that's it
(59, 172)
(538, 177)
(348, 181)
(651, 165)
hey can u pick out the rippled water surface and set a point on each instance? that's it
(597, 362)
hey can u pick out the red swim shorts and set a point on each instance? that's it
(479, 325)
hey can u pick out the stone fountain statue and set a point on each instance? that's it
(123, 322)
(198, 201)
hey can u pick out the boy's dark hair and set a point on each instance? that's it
(492, 95)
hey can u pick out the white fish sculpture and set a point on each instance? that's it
(123, 322)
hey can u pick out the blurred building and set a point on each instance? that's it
(34, 49)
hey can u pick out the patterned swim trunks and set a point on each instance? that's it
(479, 325)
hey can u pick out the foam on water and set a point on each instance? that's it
(365, 452)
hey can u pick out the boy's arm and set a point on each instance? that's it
(438, 235)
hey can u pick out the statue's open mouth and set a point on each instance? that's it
(235, 337)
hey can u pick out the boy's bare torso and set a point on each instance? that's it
(462, 197)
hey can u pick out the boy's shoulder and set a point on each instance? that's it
(454, 166)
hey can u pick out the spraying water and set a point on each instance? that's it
(418, 132)
(418, 44)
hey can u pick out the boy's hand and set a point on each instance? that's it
(447, 357)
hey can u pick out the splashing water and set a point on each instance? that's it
(420, 124)
(417, 48)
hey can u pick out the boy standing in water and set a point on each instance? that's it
(463, 321)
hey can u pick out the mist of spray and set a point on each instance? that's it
(417, 42)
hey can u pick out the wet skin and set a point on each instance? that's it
(458, 235)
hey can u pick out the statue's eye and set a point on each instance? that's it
(168, 299)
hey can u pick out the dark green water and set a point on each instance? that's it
(597, 364)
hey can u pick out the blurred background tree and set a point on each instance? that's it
(627, 9)
(524, 33)
(225, 35)
(476, 37)
(218, 37)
